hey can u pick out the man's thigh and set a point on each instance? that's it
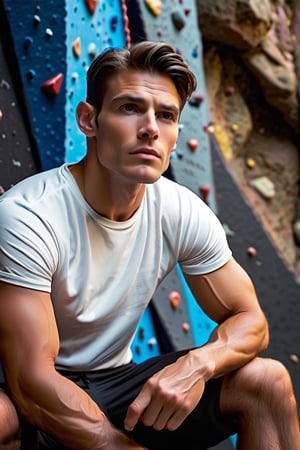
(114, 390)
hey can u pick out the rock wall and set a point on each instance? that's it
(251, 60)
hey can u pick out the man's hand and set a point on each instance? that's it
(170, 395)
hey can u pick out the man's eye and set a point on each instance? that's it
(128, 107)
(167, 115)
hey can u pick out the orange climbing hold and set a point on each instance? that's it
(76, 47)
(154, 6)
(175, 299)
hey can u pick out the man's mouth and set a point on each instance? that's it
(146, 153)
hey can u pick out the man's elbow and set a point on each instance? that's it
(265, 335)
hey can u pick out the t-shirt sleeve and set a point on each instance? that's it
(204, 246)
(28, 251)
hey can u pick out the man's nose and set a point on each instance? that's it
(148, 127)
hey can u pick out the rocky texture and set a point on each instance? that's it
(242, 24)
(251, 61)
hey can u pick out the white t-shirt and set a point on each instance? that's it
(102, 274)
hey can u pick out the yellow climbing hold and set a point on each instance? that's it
(250, 163)
(154, 6)
(234, 127)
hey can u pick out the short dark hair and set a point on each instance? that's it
(153, 57)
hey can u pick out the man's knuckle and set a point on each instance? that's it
(134, 408)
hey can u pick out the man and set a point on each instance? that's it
(83, 248)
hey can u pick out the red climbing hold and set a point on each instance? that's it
(196, 99)
(193, 144)
(52, 86)
(204, 191)
(91, 6)
(251, 251)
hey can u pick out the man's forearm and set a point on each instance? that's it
(234, 343)
(57, 406)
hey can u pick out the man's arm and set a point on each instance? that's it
(29, 344)
(227, 295)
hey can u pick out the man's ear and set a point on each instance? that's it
(85, 116)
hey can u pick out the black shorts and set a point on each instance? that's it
(115, 389)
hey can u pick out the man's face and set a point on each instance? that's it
(137, 126)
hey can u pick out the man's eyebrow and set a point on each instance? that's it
(138, 99)
(128, 97)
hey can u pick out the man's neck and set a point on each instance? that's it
(112, 199)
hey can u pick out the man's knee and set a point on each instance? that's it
(261, 381)
(9, 421)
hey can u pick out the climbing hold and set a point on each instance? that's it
(175, 299)
(30, 74)
(193, 144)
(234, 127)
(185, 327)
(28, 42)
(187, 12)
(180, 127)
(251, 251)
(228, 230)
(49, 32)
(264, 186)
(92, 50)
(75, 77)
(209, 129)
(1, 114)
(91, 6)
(294, 358)
(229, 91)
(179, 153)
(196, 99)
(250, 163)
(76, 47)
(151, 342)
(178, 20)
(16, 163)
(154, 6)
(36, 19)
(195, 52)
(52, 87)
(204, 190)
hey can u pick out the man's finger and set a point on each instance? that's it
(136, 409)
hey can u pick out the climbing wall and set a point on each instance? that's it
(176, 23)
(53, 46)
(47, 50)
